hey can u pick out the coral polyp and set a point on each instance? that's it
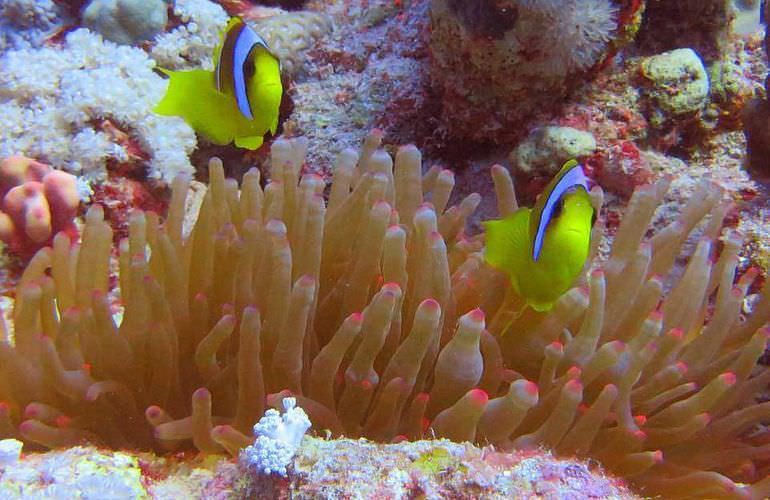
(376, 312)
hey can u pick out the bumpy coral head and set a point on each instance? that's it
(36, 202)
(496, 63)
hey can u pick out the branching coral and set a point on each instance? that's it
(371, 310)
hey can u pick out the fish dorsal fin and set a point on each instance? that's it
(231, 70)
(223, 55)
(570, 176)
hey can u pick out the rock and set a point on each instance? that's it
(547, 148)
(676, 85)
(731, 90)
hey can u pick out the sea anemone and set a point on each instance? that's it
(371, 310)
(570, 35)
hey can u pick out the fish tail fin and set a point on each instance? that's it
(191, 95)
(508, 241)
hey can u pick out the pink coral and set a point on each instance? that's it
(37, 202)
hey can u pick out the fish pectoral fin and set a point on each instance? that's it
(508, 242)
(251, 142)
(540, 306)
(184, 87)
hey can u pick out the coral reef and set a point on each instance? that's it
(676, 85)
(79, 472)
(372, 311)
(703, 25)
(126, 21)
(321, 468)
(291, 34)
(486, 82)
(433, 469)
(37, 202)
(547, 148)
(371, 71)
(190, 44)
(29, 23)
(54, 107)
(756, 118)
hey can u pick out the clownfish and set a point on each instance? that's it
(544, 248)
(239, 100)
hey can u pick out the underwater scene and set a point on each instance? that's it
(387, 249)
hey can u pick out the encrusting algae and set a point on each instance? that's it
(372, 310)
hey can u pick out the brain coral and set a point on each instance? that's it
(376, 311)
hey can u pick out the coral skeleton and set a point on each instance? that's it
(375, 310)
(278, 437)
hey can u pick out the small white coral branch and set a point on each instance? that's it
(278, 437)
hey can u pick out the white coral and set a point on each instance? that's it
(51, 101)
(278, 437)
(191, 44)
(27, 23)
(10, 451)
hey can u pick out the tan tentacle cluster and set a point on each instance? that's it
(668, 379)
(372, 310)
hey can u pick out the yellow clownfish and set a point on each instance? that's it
(544, 248)
(239, 100)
